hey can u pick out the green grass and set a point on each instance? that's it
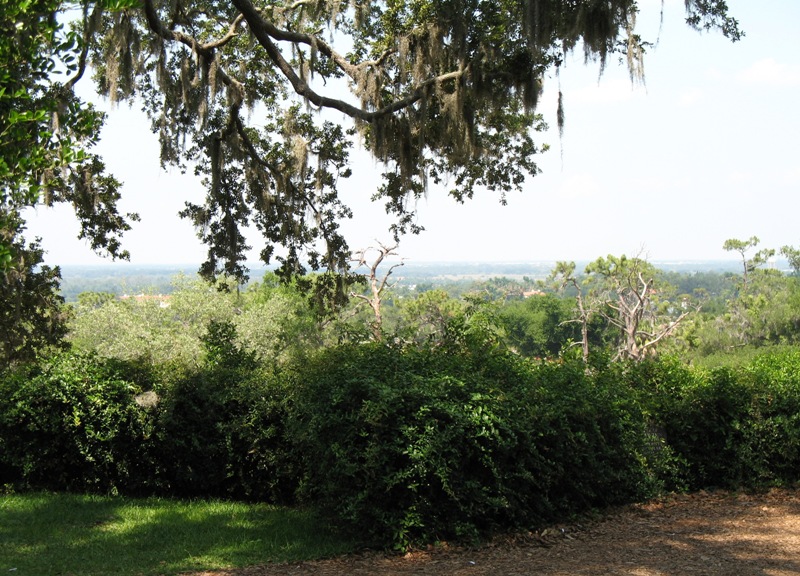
(46, 534)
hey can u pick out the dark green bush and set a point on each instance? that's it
(263, 463)
(730, 427)
(703, 424)
(80, 422)
(597, 432)
(416, 444)
(220, 432)
(190, 435)
(72, 422)
(220, 429)
(772, 438)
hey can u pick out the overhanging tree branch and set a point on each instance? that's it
(439, 91)
(265, 31)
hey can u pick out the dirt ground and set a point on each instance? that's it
(708, 534)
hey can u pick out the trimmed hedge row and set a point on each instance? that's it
(403, 445)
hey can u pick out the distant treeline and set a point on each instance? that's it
(122, 279)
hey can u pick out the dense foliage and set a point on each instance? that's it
(402, 443)
(542, 326)
(72, 423)
(425, 444)
(46, 136)
(221, 428)
(461, 417)
(32, 315)
(271, 320)
(438, 91)
(46, 132)
(80, 422)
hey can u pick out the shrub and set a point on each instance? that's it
(402, 445)
(596, 430)
(220, 428)
(659, 386)
(220, 432)
(421, 444)
(703, 425)
(731, 427)
(772, 437)
(72, 422)
(82, 422)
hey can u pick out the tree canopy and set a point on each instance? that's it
(46, 132)
(32, 317)
(265, 100)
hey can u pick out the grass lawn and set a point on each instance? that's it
(45, 534)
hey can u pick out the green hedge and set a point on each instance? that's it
(221, 432)
(81, 422)
(727, 427)
(72, 422)
(402, 444)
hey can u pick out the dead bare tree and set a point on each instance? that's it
(377, 284)
(627, 288)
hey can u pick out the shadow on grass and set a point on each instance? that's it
(57, 534)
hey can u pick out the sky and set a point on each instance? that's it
(708, 149)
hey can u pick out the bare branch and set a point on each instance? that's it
(377, 287)
(666, 332)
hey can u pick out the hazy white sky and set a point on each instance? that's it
(708, 150)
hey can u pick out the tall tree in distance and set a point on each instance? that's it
(792, 254)
(749, 265)
(634, 302)
(377, 283)
(564, 275)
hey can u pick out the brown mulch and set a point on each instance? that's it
(710, 534)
